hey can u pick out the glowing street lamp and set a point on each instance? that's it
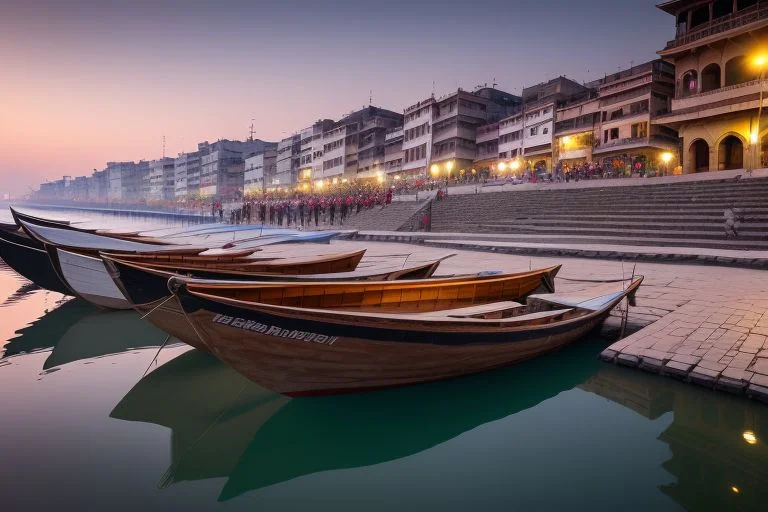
(515, 165)
(749, 437)
(449, 166)
(434, 170)
(666, 157)
(502, 166)
(760, 62)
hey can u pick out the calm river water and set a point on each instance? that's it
(82, 427)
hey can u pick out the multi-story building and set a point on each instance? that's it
(128, 181)
(360, 134)
(259, 169)
(417, 137)
(98, 186)
(719, 55)
(311, 151)
(287, 164)
(186, 180)
(393, 152)
(222, 166)
(626, 132)
(161, 180)
(487, 141)
(374, 124)
(574, 129)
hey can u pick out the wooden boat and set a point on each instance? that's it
(168, 313)
(28, 258)
(146, 288)
(306, 339)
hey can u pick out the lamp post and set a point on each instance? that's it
(760, 61)
(448, 168)
(666, 157)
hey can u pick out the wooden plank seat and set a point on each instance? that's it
(482, 309)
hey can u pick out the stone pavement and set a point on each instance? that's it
(703, 324)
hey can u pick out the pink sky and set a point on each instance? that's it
(82, 82)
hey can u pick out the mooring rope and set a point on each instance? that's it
(155, 308)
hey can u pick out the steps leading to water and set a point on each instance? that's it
(686, 214)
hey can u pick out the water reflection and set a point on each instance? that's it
(260, 439)
(212, 411)
(23, 291)
(75, 331)
(717, 442)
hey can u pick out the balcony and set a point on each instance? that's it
(754, 14)
(717, 95)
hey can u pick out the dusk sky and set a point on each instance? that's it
(82, 83)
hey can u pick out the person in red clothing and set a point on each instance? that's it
(389, 197)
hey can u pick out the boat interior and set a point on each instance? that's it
(389, 296)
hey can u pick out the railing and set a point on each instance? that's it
(729, 22)
(749, 83)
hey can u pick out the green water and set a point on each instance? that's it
(80, 429)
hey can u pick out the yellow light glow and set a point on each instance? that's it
(753, 137)
(319, 184)
(735, 489)
(749, 437)
(566, 139)
(449, 165)
(380, 179)
(397, 177)
(434, 169)
(760, 60)
(502, 166)
(515, 165)
(344, 180)
(335, 181)
(666, 157)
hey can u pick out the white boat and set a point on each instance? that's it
(88, 278)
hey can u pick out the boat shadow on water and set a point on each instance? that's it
(212, 410)
(224, 426)
(75, 331)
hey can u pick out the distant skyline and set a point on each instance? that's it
(83, 82)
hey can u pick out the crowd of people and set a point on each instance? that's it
(305, 209)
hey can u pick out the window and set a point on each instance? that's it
(534, 131)
(614, 133)
(545, 131)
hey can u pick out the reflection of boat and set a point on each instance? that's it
(46, 331)
(717, 441)
(310, 339)
(348, 431)
(103, 333)
(212, 412)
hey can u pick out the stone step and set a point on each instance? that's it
(672, 234)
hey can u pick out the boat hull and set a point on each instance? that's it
(303, 357)
(28, 258)
(88, 278)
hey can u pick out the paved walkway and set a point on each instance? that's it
(508, 244)
(707, 325)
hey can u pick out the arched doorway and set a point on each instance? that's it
(690, 83)
(699, 156)
(730, 153)
(710, 78)
(738, 71)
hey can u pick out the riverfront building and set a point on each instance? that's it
(259, 169)
(311, 151)
(616, 124)
(719, 52)
(161, 180)
(287, 166)
(186, 181)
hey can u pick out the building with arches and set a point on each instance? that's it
(717, 85)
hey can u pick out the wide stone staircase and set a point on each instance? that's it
(390, 218)
(689, 214)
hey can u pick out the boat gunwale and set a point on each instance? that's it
(421, 324)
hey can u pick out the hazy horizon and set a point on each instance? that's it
(85, 83)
